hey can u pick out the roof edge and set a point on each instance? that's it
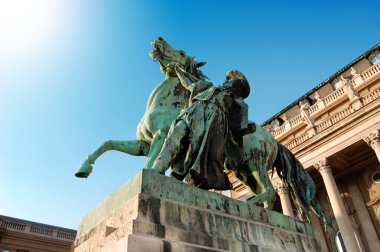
(364, 55)
(37, 224)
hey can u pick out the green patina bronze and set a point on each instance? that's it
(259, 151)
(199, 138)
(163, 107)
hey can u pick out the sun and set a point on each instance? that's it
(27, 25)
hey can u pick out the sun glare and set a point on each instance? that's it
(26, 26)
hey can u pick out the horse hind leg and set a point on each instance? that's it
(132, 147)
(265, 193)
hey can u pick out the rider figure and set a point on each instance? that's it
(210, 129)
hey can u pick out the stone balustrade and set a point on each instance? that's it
(66, 236)
(298, 140)
(31, 229)
(334, 97)
(281, 129)
(295, 120)
(330, 121)
(13, 225)
(41, 231)
(358, 82)
(334, 119)
(316, 107)
(372, 72)
(368, 98)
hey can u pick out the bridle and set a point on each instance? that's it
(163, 55)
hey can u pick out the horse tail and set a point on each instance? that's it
(300, 183)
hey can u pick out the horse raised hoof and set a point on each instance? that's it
(84, 170)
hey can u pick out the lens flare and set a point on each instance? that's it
(27, 26)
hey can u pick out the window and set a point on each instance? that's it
(337, 83)
(340, 245)
(311, 100)
(375, 59)
(339, 242)
(277, 123)
(375, 177)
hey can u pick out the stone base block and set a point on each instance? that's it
(151, 212)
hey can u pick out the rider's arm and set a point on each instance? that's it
(193, 87)
(183, 79)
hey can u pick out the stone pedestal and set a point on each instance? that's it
(151, 212)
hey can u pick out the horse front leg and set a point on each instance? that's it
(131, 147)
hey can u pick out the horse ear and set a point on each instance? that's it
(200, 64)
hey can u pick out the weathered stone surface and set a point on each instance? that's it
(151, 212)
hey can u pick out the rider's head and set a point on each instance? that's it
(237, 84)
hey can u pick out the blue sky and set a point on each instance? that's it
(76, 73)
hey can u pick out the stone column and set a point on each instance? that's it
(373, 140)
(286, 205)
(364, 218)
(344, 222)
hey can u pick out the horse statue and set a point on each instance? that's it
(260, 149)
(163, 107)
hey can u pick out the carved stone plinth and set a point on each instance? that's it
(151, 212)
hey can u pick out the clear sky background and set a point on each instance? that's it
(74, 73)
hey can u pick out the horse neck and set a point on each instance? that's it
(169, 82)
(173, 90)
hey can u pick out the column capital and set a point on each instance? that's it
(323, 166)
(373, 139)
(281, 188)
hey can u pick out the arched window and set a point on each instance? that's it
(340, 245)
(339, 242)
(375, 177)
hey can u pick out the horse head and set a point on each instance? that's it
(168, 57)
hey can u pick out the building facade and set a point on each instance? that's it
(334, 130)
(18, 235)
